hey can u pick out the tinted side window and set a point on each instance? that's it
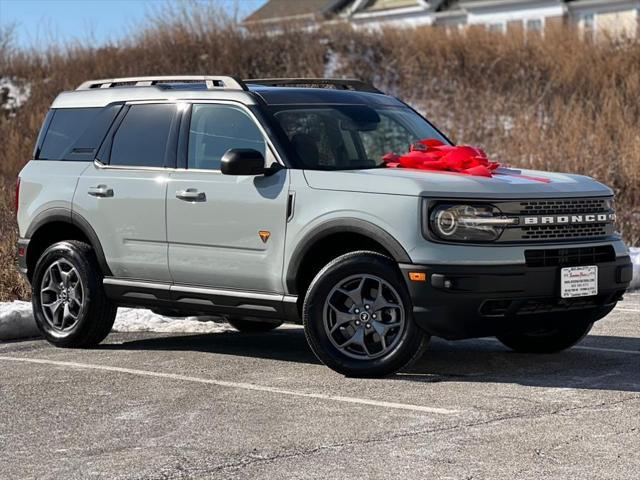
(66, 127)
(215, 129)
(86, 147)
(43, 132)
(142, 137)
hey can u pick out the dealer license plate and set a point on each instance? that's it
(579, 281)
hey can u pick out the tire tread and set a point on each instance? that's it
(101, 311)
(412, 351)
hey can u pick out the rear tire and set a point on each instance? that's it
(554, 332)
(69, 303)
(247, 325)
(357, 317)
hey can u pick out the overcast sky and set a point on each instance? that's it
(41, 22)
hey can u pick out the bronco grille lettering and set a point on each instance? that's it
(569, 219)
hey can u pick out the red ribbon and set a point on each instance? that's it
(431, 154)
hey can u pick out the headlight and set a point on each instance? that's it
(468, 223)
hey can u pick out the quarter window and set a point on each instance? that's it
(143, 135)
(215, 129)
(66, 127)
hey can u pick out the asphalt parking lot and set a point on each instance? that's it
(233, 405)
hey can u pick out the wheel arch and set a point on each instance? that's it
(58, 224)
(321, 245)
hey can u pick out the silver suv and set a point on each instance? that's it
(266, 201)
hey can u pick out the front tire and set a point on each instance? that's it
(358, 319)
(554, 332)
(69, 303)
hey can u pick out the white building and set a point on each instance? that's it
(500, 15)
(594, 17)
(391, 13)
(606, 17)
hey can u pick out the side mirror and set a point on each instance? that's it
(242, 161)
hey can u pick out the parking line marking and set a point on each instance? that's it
(577, 347)
(613, 350)
(241, 385)
(622, 309)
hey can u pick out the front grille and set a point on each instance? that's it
(563, 232)
(562, 257)
(502, 308)
(571, 205)
(557, 305)
(570, 228)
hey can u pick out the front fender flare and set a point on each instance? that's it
(342, 225)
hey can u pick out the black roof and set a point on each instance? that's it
(309, 96)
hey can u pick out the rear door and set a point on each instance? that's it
(123, 195)
(226, 231)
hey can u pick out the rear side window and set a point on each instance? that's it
(142, 137)
(74, 133)
(65, 128)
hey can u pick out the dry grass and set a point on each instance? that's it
(12, 285)
(553, 102)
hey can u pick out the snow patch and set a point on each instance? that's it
(13, 95)
(333, 64)
(16, 321)
(139, 320)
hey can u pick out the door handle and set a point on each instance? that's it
(100, 191)
(191, 195)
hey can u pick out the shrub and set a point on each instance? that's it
(553, 102)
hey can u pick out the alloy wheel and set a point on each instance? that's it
(364, 317)
(62, 295)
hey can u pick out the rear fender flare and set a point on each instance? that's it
(64, 215)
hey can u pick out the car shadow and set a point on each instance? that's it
(599, 363)
(288, 344)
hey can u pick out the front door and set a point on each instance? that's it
(226, 231)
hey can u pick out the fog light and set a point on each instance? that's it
(440, 281)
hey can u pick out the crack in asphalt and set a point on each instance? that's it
(253, 460)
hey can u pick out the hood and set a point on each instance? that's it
(506, 183)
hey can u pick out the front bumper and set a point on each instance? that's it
(460, 301)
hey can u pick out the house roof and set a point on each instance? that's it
(514, 3)
(275, 10)
(278, 10)
(375, 5)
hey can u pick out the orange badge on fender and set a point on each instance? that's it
(264, 235)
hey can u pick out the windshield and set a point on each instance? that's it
(347, 137)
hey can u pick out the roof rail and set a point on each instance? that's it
(339, 83)
(210, 81)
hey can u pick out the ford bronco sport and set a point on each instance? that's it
(267, 201)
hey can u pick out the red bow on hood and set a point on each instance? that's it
(431, 154)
